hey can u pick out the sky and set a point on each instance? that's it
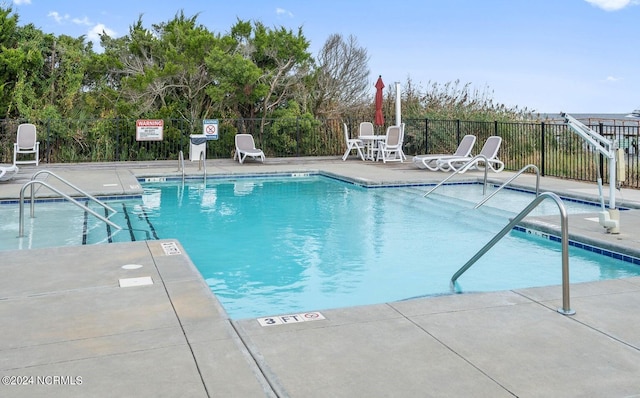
(548, 56)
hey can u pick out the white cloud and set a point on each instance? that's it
(57, 17)
(83, 21)
(66, 18)
(612, 5)
(93, 34)
(612, 79)
(21, 2)
(282, 11)
(97, 30)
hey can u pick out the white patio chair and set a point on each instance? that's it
(390, 150)
(26, 144)
(367, 134)
(352, 143)
(404, 157)
(366, 128)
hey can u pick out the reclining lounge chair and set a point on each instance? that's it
(489, 158)
(7, 171)
(245, 146)
(430, 161)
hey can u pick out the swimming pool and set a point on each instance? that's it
(270, 246)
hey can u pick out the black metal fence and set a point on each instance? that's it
(551, 146)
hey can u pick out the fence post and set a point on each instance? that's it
(47, 151)
(426, 135)
(118, 147)
(457, 130)
(298, 136)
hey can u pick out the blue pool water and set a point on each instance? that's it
(271, 246)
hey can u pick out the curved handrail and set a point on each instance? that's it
(203, 162)
(64, 195)
(566, 308)
(522, 170)
(33, 177)
(181, 163)
(461, 170)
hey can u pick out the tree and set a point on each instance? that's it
(8, 57)
(64, 70)
(280, 57)
(237, 86)
(341, 77)
(163, 70)
(22, 66)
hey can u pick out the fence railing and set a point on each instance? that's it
(552, 146)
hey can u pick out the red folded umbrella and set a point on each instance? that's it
(379, 118)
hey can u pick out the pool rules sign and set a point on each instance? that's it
(210, 128)
(149, 129)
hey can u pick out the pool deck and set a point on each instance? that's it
(70, 330)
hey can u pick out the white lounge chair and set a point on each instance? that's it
(489, 152)
(390, 150)
(7, 171)
(430, 161)
(245, 146)
(26, 143)
(352, 143)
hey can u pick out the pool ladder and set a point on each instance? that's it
(181, 164)
(33, 181)
(522, 170)
(202, 165)
(564, 228)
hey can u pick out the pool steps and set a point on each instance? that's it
(135, 227)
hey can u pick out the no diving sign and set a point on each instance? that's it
(210, 128)
(294, 318)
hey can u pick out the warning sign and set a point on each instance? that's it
(149, 130)
(210, 128)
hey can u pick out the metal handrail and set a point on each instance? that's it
(86, 194)
(522, 170)
(181, 163)
(566, 308)
(203, 164)
(64, 195)
(461, 170)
